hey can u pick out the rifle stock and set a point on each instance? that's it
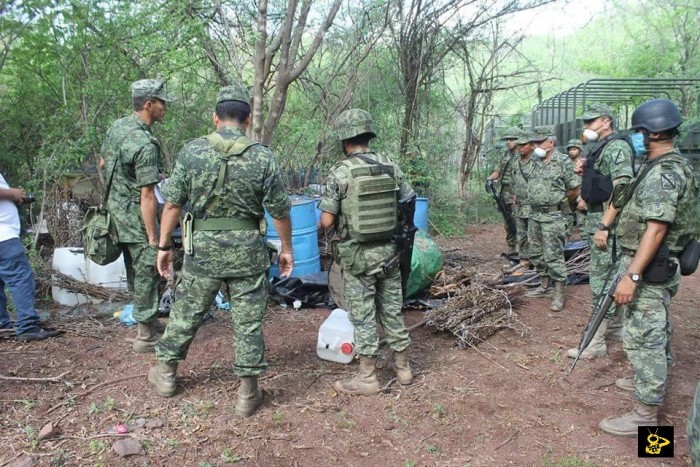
(602, 308)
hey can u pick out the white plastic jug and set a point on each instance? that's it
(112, 275)
(336, 338)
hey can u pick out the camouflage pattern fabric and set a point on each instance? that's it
(647, 336)
(193, 180)
(546, 190)
(662, 195)
(375, 299)
(150, 88)
(594, 111)
(354, 122)
(521, 226)
(615, 161)
(236, 92)
(142, 279)
(505, 168)
(694, 430)
(371, 298)
(194, 298)
(566, 210)
(130, 141)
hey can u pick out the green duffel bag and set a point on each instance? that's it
(426, 262)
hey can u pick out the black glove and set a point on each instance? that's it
(489, 184)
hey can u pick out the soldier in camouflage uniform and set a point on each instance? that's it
(504, 173)
(521, 172)
(574, 149)
(551, 185)
(228, 180)
(132, 154)
(614, 159)
(372, 294)
(694, 430)
(658, 213)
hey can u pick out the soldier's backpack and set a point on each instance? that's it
(370, 207)
(688, 220)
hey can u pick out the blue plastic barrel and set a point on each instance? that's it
(420, 217)
(304, 237)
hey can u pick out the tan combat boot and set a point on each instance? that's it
(162, 377)
(404, 375)
(558, 297)
(596, 348)
(249, 396)
(365, 382)
(627, 424)
(146, 339)
(544, 290)
(626, 384)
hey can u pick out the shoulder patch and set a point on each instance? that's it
(668, 180)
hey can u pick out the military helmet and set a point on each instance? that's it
(511, 133)
(575, 143)
(354, 122)
(656, 115)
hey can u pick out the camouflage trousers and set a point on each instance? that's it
(374, 299)
(195, 296)
(545, 233)
(647, 336)
(600, 274)
(142, 279)
(523, 245)
(694, 430)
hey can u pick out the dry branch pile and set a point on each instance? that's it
(96, 291)
(473, 311)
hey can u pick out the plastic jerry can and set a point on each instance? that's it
(336, 338)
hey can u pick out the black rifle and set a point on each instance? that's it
(403, 239)
(601, 309)
(503, 207)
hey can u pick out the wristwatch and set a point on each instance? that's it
(602, 226)
(635, 277)
(165, 248)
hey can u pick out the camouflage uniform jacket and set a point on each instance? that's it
(521, 173)
(505, 168)
(548, 187)
(662, 195)
(615, 161)
(252, 182)
(369, 255)
(130, 141)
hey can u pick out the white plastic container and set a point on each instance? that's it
(72, 262)
(336, 338)
(112, 275)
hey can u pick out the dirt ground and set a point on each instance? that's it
(508, 403)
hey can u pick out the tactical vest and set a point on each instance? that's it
(369, 209)
(597, 187)
(685, 226)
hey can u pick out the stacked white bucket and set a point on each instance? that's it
(72, 262)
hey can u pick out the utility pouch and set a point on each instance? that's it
(595, 187)
(661, 268)
(263, 226)
(689, 257)
(187, 224)
(351, 257)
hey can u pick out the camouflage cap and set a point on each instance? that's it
(354, 122)
(541, 133)
(511, 133)
(594, 111)
(150, 88)
(523, 138)
(236, 92)
(575, 143)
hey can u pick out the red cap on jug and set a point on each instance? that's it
(346, 348)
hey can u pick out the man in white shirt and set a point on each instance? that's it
(15, 271)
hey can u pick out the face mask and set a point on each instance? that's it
(590, 135)
(638, 144)
(539, 153)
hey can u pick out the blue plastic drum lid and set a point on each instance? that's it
(304, 237)
(420, 217)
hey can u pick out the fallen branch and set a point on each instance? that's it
(506, 441)
(51, 379)
(93, 389)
